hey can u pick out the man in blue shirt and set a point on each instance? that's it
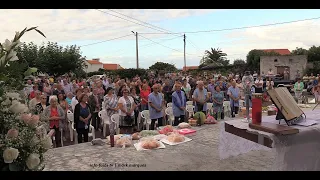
(155, 101)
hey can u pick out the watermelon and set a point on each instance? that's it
(200, 117)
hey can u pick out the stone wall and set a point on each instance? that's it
(297, 62)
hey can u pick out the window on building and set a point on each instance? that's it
(290, 60)
(275, 60)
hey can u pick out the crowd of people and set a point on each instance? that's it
(128, 97)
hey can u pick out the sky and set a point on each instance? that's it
(93, 30)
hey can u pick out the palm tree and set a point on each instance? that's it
(214, 57)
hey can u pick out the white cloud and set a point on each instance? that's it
(287, 36)
(65, 25)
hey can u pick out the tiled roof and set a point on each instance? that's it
(93, 62)
(110, 66)
(280, 51)
(190, 68)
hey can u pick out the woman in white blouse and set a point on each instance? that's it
(126, 106)
(259, 85)
(269, 83)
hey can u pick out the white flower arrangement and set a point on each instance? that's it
(23, 140)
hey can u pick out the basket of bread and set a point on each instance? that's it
(192, 122)
(148, 143)
(135, 136)
(184, 125)
(116, 137)
(124, 141)
(175, 138)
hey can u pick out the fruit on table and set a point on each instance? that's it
(200, 117)
(167, 129)
(146, 133)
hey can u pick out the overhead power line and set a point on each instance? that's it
(106, 40)
(159, 28)
(238, 28)
(158, 42)
(167, 46)
(151, 25)
(145, 45)
(129, 20)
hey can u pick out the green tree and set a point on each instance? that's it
(52, 58)
(28, 53)
(12, 68)
(239, 62)
(314, 54)
(253, 58)
(158, 66)
(299, 51)
(214, 56)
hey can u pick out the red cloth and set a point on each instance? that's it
(80, 84)
(144, 95)
(256, 110)
(32, 95)
(54, 112)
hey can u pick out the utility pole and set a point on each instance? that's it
(137, 52)
(184, 52)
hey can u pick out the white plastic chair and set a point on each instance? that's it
(169, 104)
(146, 118)
(209, 108)
(190, 110)
(115, 118)
(227, 108)
(53, 138)
(169, 113)
(105, 121)
(92, 132)
(70, 118)
(139, 121)
(75, 133)
(190, 103)
(70, 115)
(241, 104)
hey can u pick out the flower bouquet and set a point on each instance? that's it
(23, 137)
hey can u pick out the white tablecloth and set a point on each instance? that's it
(293, 152)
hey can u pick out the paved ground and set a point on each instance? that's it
(199, 154)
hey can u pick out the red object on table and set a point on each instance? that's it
(112, 140)
(256, 110)
(186, 131)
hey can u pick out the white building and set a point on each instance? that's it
(278, 64)
(93, 65)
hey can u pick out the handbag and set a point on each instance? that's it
(128, 119)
